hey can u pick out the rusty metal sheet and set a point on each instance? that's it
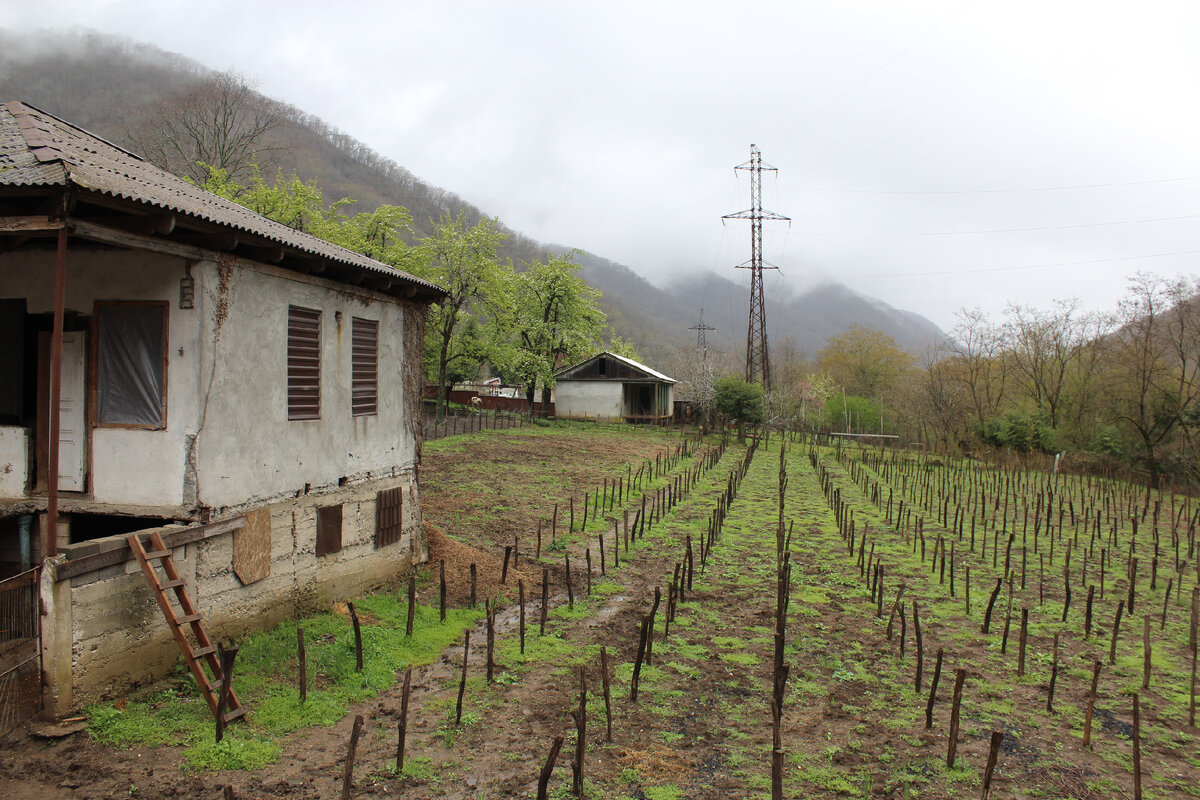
(252, 547)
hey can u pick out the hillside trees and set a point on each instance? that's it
(220, 122)
(864, 361)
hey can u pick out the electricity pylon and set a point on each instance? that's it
(758, 365)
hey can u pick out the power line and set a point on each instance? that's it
(1015, 190)
(1032, 229)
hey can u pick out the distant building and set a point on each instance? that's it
(613, 388)
(251, 391)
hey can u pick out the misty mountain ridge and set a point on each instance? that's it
(103, 83)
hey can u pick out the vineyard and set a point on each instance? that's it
(611, 614)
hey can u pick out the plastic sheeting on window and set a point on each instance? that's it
(130, 360)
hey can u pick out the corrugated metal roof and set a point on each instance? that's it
(635, 364)
(38, 149)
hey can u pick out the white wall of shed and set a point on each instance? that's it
(580, 399)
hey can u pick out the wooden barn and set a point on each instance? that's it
(613, 388)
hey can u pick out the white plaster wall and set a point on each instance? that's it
(578, 399)
(14, 461)
(248, 450)
(128, 466)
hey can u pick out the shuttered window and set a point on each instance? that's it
(364, 372)
(389, 525)
(304, 363)
(329, 529)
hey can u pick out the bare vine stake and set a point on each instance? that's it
(403, 729)
(1087, 614)
(442, 591)
(1007, 617)
(1194, 637)
(933, 687)
(226, 655)
(1137, 748)
(491, 638)
(1146, 652)
(412, 606)
(895, 608)
(1091, 706)
(993, 754)
(548, 768)
(920, 647)
(504, 568)
(521, 602)
(302, 672)
(473, 584)
(603, 557)
(570, 588)
(960, 676)
(358, 658)
(348, 776)
(607, 695)
(1166, 600)
(462, 683)
(1112, 651)
(650, 631)
(1021, 642)
(539, 540)
(588, 557)
(580, 716)
(545, 599)
(1053, 675)
(637, 663)
(987, 617)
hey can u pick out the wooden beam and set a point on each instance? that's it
(34, 224)
(120, 554)
(136, 241)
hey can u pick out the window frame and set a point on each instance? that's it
(296, 410)
(94, 372)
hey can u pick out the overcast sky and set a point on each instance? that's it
(936, 154)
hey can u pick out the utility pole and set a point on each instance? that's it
(758, 365)
(700, 328)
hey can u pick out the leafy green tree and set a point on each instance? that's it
(864, 360)
(739, 400)
(463, 261)
(554, 317)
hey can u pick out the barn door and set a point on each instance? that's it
(72, 433)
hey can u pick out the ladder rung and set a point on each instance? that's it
(186, 618)
(157, 554)
(214, 684)
(204, 651)
(237, 713)
(172, 584)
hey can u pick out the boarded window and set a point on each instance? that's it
(304, 363)
(131, 364)
(364, 371)
(329, 529)
(388, 520)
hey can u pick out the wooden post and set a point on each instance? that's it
(403, 730)
(1053, 675)
(1146, 652)
(1112, 651)
(545, 599)
(1091, 706)
(504, 568)
(348, 775)
(521, 601)
(1137, 748)
(580, 736)
(412, 605)
(462, 682)
(993, 754)
(1021, 642)
(987, 617)
(442, 592)
(490, 627)
(302, 661)
(920, 647)
(607, 696)
(933, 687)
(959, 677)
(548, 768)
(227, 656)
(358, 658)
(474, 580)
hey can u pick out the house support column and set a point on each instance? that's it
(58, 621)
(56, 355)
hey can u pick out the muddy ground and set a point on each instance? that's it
(853, 722)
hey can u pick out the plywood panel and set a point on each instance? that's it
(252, 547)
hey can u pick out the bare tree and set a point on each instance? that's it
(221, 121)
(1044, 346)
(981, 363)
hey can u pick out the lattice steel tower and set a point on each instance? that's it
(758, 365)
(700, 330)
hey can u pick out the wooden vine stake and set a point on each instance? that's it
(1091, 706)
(1137, 748)
(358, 658)
(302, 665)
(402, 733)
(933, 687)
(993, 755)
(348, 775)
(580, 736)
(607, 695)
(960, 676)
(412, 605)
(548, 768)
(462, 683)
(521, 602)
(1053, 675)
(1194, 637)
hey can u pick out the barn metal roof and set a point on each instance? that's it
(38, 149)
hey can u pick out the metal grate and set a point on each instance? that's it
(304, 363)
(389, 523)
(20, 650)
(364, 354)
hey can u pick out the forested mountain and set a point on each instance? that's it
(111, 86)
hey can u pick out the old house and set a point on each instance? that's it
(613, 388)
(180, 363)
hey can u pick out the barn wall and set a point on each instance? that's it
(588, 399)
(111, 634)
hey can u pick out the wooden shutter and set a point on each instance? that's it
(304, 363)
(329, 529)
(388, 520)
(364, 357)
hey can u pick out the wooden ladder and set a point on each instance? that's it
(205, 652)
